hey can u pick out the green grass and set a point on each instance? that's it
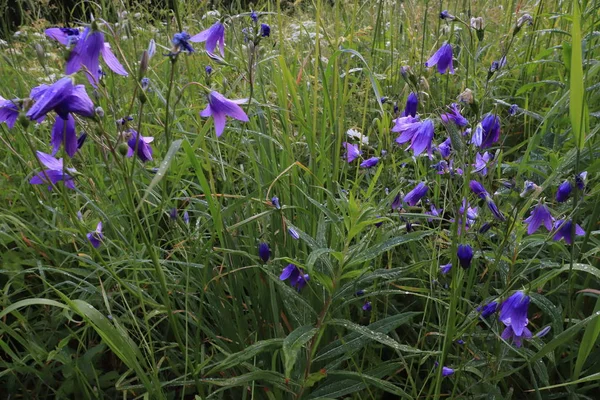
(168, 309)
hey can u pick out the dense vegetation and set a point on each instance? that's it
(403, 203)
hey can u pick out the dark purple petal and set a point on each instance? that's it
(264, 252)
(415, 195)
(465, 255)
(369, 163)
(63, 131)
(540, 215)
(564, 191)
(513, 312)
(49, 97)
(87, 53)
(288, 271)
(111, 60)
(9, 112)
(478, 189)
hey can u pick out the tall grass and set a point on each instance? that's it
(172, 308)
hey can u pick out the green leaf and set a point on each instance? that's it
(372, 252)
(249, 352)
(577, 93)
(372, 381)
(293, 343)
(588, 341)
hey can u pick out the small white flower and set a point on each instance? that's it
(354, 134)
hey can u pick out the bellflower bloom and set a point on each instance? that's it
(563, 230)
(465, 255)
(447, 16)
(396, 203)
(212, 36)
(443, 59)
(264, 252)
(186, 217)
(543, 332)
(435, 212)
(298, 279)
(220, 107)
(65, 36)
(87, 52)
(445, 148)
(265, 30)
(367, 306)
(482, 162)
(487, 309)
(142, 144)
(412, 103)
(254, 16)
(579, 179)
(444, 269)
(487, 132)
(293, 233)
(528, 187)
(54, 172)
(478, 189)
(454, 116)
(446, 371)
(419, 133)
(275, 202)
(513, 314)
(63, 98)
(415, 195)
(352, 151)
(181, 42)
(513, 109)
(96, 237)
(173, 213)
(9, 112)
(564, 191)
(540, 215)
(369, 163)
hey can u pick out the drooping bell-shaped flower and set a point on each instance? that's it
(419, 133)
(264, 252)
(482, 162)
(540, 215)
(444, 269)
(212, 36)
(513, 314)
(564, 230)
(370, 162)
(96, 237)
(442, 58)
(564, 191)
(65, 36)
(87, 53)
(181, 42)
(465, 255)
(296, 276)
(412, 103)
(454, 116)
(54, 172)
(415, 195)
(139, 145)
(9, 112)
(219, 108)
(352, 151)
(487, 132)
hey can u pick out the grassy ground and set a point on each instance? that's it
(171, 307)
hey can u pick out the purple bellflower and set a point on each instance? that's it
(487, 132)
(445, 148)
(352, 151)
(63, 98)
(540, 215)
(487, 309)
(419, 133)
(444, 269)
(447, 16)
(87, 52)
(367, 306)
(265, 30)
(9, 112)
(482, 162)
(142, 144)
(513, 109)
(412, 103)
(397, 202)
(181, 42)
(96, 237)
(293, 233)
(563, 230)
(442, 58)
(173, 213)
(465, 255)
(186, 217)
(513, 314)
(54, 172)
(220, 107)
(415, 195)
(264, 252)
(580, 180)
(564, 191)
(447, 371)
(434, 212)
(212, 36)
(369, 163)
(275, 202)
(65, 36)
(454, 116)
(480, 191)
(298, 279)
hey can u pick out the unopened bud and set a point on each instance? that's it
(123, 149)
(466, 96)
(41, 55)
(477, 23)
(99, 111)
(447, 16)
(143, 64)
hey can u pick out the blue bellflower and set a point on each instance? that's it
(415, 195)
(298, 279)
(482, 162)
(265, 30)
(540, 215)
(444, 269)
(487, 309)
(454, 116)
(54, 172)
(275, 202)
(87, 53)
(513, 109)
(264, 252)
(419, 133)
(352, 151)
(369, 163)
(564, 191)
(65, 36)
(564, 230)
(513, 314)
(465, 255)
(367, 306)
(213, 36)
(442, 58)
(445, 148)
(580, 180)
(480, 191)
(293, 233)
(139, 145)
(9, 112)
(487, 132)
(181, 42)
(96, 237)
(63, 98)
(219, 108)
(412, 103)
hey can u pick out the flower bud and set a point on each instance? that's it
(99, 111)
(123, 149)
(466, 96)
(143, 64)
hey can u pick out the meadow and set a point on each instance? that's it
(312, 200)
